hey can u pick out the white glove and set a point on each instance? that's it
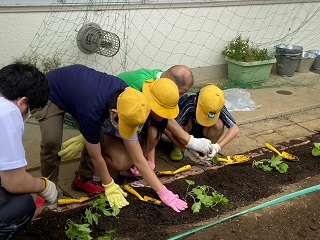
(49, 193)
(195, 157)
(202, 145)
(215, 149)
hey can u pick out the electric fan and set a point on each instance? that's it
(92, 39)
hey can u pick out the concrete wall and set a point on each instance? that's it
(159, 37)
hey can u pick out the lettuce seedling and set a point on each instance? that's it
(269, 164)
(204, 195)
(316, 149)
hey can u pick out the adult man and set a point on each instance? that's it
(179, 74)
(84, 93)
(204, 115)
(23, 89)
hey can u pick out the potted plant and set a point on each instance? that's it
(246, 63)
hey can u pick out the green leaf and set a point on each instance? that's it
(91, 217)
(215, 159)
(315, 151)
(275, 160)
(190, 182)
(266, 168)
(282, 167)
(317, 145)
(196, 207)
(78, 231)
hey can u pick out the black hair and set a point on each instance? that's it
(24, 80)
(113, 101)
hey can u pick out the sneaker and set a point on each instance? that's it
(85, 185)
(176, 154)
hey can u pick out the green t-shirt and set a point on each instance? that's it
(135, 79)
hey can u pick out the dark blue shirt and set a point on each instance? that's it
(84, 93)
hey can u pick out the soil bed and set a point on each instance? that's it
(240, 183)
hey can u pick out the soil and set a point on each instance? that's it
(243, 185)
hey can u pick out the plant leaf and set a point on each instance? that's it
(190, 182)
(282, 167)
(196, 207)
(275, 160)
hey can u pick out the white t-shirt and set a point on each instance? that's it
(12, 154)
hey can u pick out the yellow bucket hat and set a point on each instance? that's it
(163, 97)
(210, 102)
(133, 111)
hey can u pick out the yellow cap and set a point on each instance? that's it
(210, 103)
(133, 111)
(163, 97)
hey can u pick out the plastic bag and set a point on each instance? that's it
(239, 100)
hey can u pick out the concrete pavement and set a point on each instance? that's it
(285, 113)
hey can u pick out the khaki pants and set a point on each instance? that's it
(51, 119)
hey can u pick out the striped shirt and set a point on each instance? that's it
(188, 110)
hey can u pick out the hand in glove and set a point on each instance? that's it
(49, 193)
(215, 149)
(172, 200)
(202, 145)
(195, 157)
(115, 195)
(72, 147)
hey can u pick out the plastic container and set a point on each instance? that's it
(306, 62)
(249, 72)
(316, 63)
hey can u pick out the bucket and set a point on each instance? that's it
(287, 66)
(288, 58)
(316, 63)
(306, 62)
(288, 49)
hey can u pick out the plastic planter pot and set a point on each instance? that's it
(249, 72)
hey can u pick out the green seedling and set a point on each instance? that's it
(204, 195)
(274, 163)
(82, 231)
(316, 149)
(78, 231)
(91, 217)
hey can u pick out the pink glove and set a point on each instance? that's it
(172, 200)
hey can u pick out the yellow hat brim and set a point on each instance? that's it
(203, 119)
(126, 131)
(157, 108)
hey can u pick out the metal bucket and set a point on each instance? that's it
(288, 49)
(316, 63)
(287, 66)
(306, 62)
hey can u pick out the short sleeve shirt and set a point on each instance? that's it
(188, 110)
(84, 93)
(12, 153)
(135, 79)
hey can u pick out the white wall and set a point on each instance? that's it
(159, 38)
